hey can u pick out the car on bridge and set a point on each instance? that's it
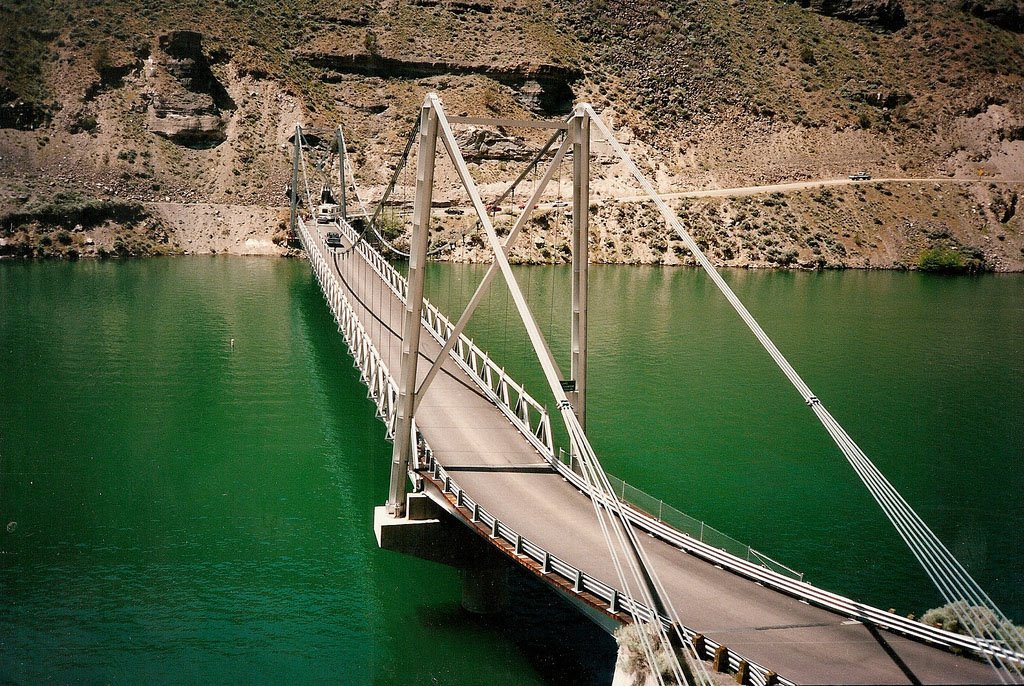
(860, 176)
(333, 239)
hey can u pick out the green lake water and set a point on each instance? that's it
(177, 509)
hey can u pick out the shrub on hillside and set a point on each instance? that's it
(942, 260)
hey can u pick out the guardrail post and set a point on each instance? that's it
(494, 528)
(577, 584)
(699, 646)
(743, 672)
(771, 679)
(519, 545)
(545, 567)
(613, 606)
(459, 498)
(447, 484)
(721, 660)
(476, 512)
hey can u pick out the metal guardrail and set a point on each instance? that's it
(667, 531)
(373, 371)
(579, 581)
(696, 528)
(669, 524)
(521, 408)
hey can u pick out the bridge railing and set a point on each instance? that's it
(521, 408)
(574, 579)
(692, 536)
(372, 369)
(696, 528)
(644, 511)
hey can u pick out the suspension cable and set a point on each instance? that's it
(642, 572)
(952, 580)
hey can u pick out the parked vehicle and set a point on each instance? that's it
(860, 176)
(454, 211)
(333, 239)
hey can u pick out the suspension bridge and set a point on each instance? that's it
(476, 475)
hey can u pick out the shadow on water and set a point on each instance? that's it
(560, 644)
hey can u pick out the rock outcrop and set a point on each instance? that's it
(480, 144)
(885, 15)
(16, 113)
(544, 88)
(188, 104)
(1006, 14)
(886, 100)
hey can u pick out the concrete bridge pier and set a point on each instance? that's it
(429, 532)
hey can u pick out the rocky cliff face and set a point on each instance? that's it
(541, 87)
(479, 144)
(112, 99)
(188, 105)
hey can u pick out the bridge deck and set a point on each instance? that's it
(805, 644)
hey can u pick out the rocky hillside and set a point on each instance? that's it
(133, 128)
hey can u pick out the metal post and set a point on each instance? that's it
(580, 130)
(340, 136)
(295, 179)
(411, 326)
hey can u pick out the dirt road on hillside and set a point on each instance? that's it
(803, 185)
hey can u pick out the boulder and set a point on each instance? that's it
(479, 144)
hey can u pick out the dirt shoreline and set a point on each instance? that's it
(880, 224)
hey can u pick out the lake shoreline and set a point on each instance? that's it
(298, 253)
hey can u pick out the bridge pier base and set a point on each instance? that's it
(429, 532)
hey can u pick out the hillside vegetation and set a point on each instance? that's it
(187, 107)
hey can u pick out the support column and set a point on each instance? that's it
(411, 326)
(580, 130)
(295, 179)
(340, 137)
